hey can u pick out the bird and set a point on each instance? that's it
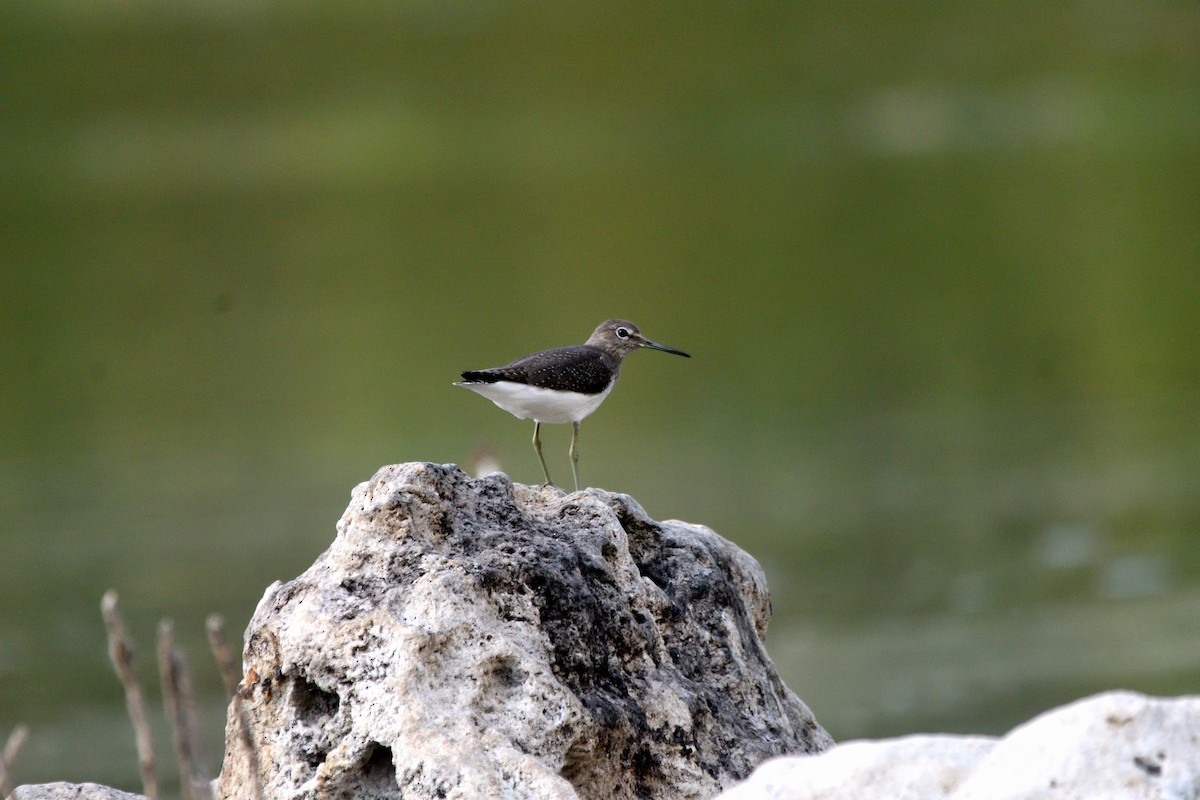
(563, 384)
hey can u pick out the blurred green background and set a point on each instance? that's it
(938, 265)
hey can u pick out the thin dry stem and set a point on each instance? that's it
(215, 625)
(229, 673)
(11, 748)
(16, 741)
(120, 652)
(246, 744)
(179, 703)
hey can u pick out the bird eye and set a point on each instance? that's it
(623, 333)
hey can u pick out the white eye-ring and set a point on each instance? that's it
(623, 333)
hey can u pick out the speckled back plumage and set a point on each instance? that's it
(579, 368)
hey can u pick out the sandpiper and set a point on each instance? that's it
(563, 384)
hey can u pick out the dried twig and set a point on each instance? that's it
(11, 748)
(215, 625)
(179, 703)
(16, 740)
(229, 672)
(120, 652)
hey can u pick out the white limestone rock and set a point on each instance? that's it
(906, 768)
(71, 791)
(1112, 746)
(471, 638)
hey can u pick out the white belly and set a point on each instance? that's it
(542, 405)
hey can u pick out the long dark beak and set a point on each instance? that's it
(663, 347)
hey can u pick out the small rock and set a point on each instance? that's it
(1112, 745)
(907, 768)
(71, 791)
(1115, 746)
(471, 638)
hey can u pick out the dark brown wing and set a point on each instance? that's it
(580, 368)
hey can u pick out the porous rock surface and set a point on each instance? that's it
(474, 638)
(1112, 746)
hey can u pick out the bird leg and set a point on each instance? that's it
(537, 446)
(575, 456)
